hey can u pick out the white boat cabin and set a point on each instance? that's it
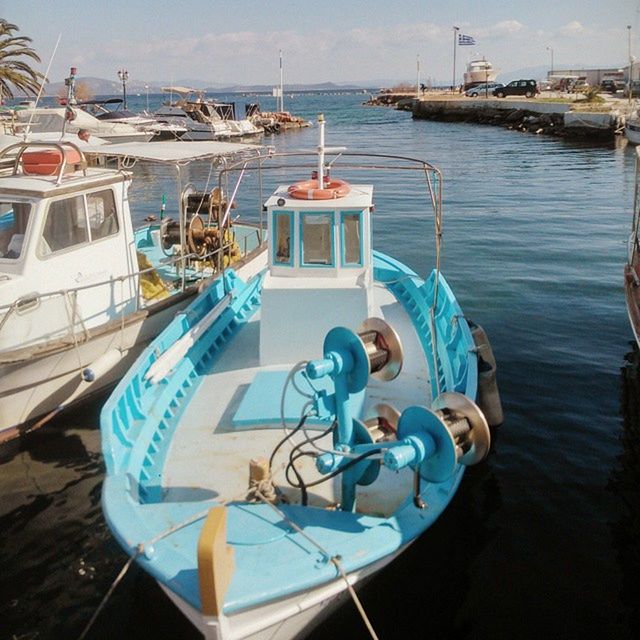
(61, 233)
(320, 270)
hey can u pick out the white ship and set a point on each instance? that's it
(479, 71)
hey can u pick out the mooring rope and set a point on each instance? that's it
(255, 491)
(333, 559)
(140, 549)
(114, 584)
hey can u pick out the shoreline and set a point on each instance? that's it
(567, 119)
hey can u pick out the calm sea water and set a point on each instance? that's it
(542, 540)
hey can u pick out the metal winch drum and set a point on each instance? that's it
(202, 210)
(458, 429)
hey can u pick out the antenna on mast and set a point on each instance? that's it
(46, 75)
(70, 82)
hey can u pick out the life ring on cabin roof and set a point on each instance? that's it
(47, 162)
(308, 190)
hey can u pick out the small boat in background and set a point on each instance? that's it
(632, 129)
(306, 418)
(57, 119)
(632, 267)
(204, 119)
(81, 291)
(160, 130)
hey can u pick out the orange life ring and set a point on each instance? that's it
(308, 190)
(47, 162)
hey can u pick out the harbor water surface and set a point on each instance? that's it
(542, 539)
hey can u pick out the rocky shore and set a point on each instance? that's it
(560, 119)
(556, 119)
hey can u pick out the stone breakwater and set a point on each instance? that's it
(549, 118)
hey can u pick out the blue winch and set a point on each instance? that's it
(430, 441)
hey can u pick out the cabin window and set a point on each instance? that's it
(65, 226)
(317, 239)
(351, 240)
(283, 238)
(101, 208)
(14, 218)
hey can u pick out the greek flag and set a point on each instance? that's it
(465, 40)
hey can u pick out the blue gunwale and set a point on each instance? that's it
(139, 418)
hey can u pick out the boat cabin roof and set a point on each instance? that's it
(169, 152)
(39, 186)
(359, 197)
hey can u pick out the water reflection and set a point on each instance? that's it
(428, 591)
(625, 484)
(52, 530)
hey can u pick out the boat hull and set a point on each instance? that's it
(38, 383)
(632, 131)
(632, 297)
(286, 619)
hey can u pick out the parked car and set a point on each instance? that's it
(612, 86)
(635, 89)
(580, 85)
(482, 89)
(527, 88)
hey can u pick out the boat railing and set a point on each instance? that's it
(60, 313)
(349, 161)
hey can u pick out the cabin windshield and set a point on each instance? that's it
(78, 220)
(14, 218)
(317, 240)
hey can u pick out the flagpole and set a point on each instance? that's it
(455, 35)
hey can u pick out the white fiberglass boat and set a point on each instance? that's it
(56, 119)
(81, 292)
(632, 129)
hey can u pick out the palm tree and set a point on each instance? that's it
(15, 73)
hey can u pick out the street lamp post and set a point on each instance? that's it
(550, 50)
(123, 74)
(486, 80)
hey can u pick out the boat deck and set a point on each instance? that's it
(207, 431)
(166, 266)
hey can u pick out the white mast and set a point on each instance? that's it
(281, 86)
(321, 151)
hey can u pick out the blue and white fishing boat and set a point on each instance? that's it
(305, 419)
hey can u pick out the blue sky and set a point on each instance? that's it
(237, 41)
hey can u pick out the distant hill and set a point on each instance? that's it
(100, 86)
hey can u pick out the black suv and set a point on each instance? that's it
(526, 88)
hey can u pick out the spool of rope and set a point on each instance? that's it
(383, 348)
(433, 441)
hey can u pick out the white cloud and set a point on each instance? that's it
(506, 27)
(573, 28)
